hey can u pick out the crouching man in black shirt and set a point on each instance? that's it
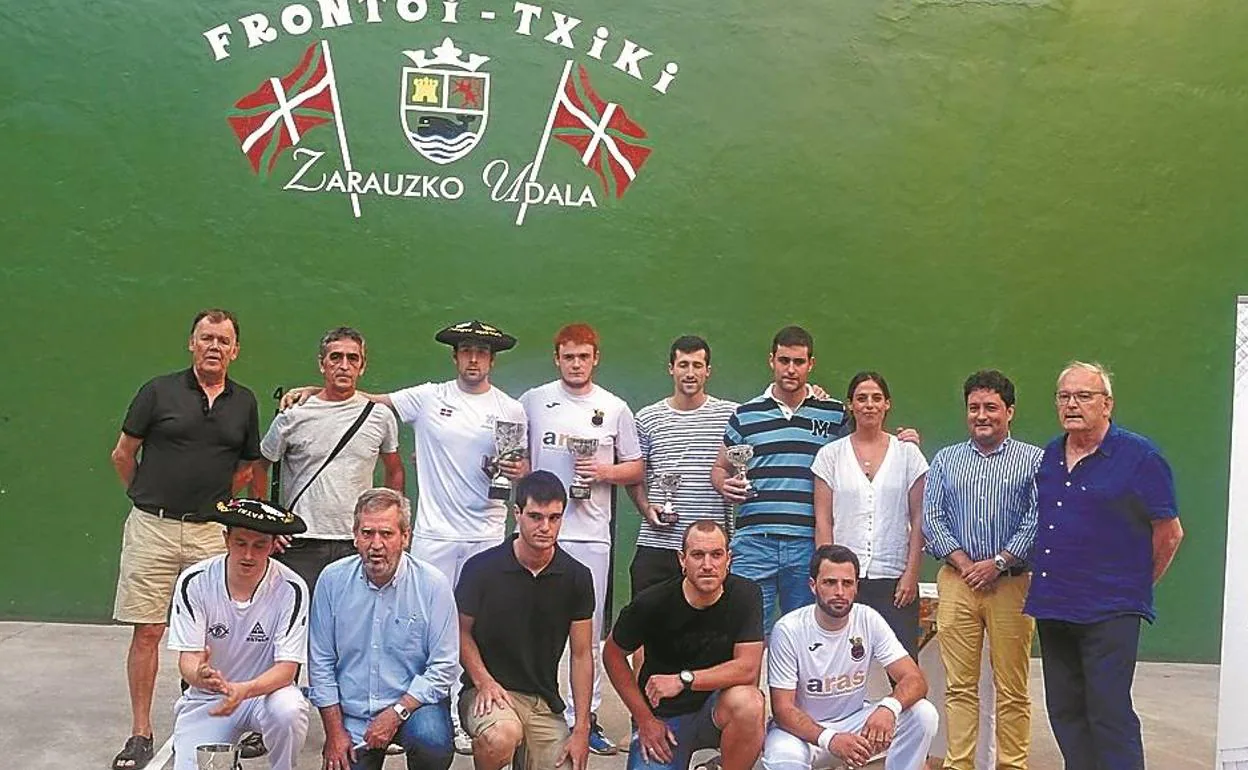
(703, 635)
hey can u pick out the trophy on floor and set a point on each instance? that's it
(216, 756)
(509, 445)
(581, 448)
(740, 455)
(669, 483)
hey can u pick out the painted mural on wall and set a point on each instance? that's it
(444, 107)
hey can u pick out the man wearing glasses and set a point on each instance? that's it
(1108, 529)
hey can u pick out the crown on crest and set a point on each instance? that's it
(447, 53)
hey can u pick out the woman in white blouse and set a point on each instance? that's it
(869, 497)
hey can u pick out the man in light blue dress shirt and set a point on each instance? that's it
(383, 645)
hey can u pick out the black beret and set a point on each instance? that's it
(476, 332)
(258, 516)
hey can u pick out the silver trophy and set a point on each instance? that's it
(580, 448)
(740, 455)
(216, 756)
(509, 445)
(669, 483)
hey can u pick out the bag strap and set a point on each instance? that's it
(342, 442)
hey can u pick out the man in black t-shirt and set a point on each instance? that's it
(186, 444)
(703, 635)
(519, 604)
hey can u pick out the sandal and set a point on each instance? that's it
(712, 763)
(135, 754)
(252, 746)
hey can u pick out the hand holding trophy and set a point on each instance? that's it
(740, 455)
(509, 444)
(669, 483)
(581, 449)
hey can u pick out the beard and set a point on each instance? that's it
(832, 612)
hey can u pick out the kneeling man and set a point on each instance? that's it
(817, 665)
(384, 644)
(240, 624)
(703, 635)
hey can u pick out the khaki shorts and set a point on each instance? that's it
(153, 552)
(545, 733)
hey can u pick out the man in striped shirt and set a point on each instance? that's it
(786, 426)
(979, 517)
(679, 435)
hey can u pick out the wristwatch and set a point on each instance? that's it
(401, 711)
(1000, 563)
(686, 679)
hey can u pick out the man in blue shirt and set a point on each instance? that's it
(786, 426)
(979, 517)
(383, 646)
(1108, 529)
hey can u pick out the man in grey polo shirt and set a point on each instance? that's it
(302, 439)
(186, 444)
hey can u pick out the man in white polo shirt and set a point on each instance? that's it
(817, 665)
(574, 407)
(239, 623)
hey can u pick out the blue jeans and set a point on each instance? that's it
(426, 736)
(1088, 670)
(693, 731)
(780, 565)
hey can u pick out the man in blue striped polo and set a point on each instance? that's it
(979, 517)
(785, 426)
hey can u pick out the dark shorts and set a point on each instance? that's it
(693, 732)
(652, 566)
(308, 556)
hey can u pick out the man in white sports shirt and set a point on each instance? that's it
(680, 434)
(453, 424)
(239, 622)
(817, 665)
(573, 406)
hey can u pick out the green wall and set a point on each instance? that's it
(930, 187)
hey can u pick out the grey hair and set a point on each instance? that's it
(381, 499)
(342, 333)
(1095, 368)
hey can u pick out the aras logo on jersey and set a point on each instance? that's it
(836, 684)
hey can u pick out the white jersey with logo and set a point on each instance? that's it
(454, 435)
(554, 415)
(826, 669)
(244, 639)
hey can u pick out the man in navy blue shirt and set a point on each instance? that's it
(1108, 529)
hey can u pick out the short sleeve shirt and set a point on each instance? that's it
(521, 620)
(828, 669)
(454, 434)
(190, 449)
(302, 437)
(554, 415)
(871, 517)
(678, 636)
(245, 638)
(1093, 558)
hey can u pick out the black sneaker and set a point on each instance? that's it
(252, 746)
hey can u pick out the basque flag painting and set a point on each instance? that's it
(607, 140)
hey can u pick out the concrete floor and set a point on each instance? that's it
(64, 705)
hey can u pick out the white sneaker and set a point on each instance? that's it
(463, 742)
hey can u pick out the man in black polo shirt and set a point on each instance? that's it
(198, 431)
(519, 604)
(703, 635)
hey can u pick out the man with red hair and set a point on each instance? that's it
(574, 407)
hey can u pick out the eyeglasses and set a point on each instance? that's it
(1082, 396)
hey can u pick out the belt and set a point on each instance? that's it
(165, 513)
